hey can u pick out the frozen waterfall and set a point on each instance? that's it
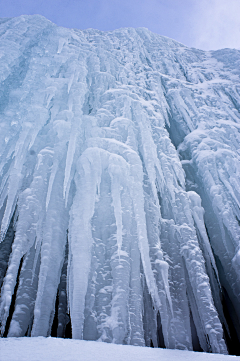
(119, 187)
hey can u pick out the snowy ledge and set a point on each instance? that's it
(56, 349)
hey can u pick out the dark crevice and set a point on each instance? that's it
(231, 330)
(68, 330)
(236, 105)
(55, 320)
(63, 317)
(149, 324)
(232, 334)
(61, 326)
(214, 272)
(195, 339)
(238, 221)
(27, 332)
(5, 250)
(159, 198)
(231, 338)
(160, 337)
(176, 134)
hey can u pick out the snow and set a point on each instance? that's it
(52, 349)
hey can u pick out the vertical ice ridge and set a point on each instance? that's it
(136, 178)
(22, 318)
(198, 213)
(116, 171)
(52, 257)
(80, 234)
(219, 175)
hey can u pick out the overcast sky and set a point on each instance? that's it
(205, 24)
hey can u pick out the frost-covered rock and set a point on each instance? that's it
(119, 164)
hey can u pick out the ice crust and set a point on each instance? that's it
(119, 185)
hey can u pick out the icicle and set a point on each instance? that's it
(80, 235)
(5, 251)
(22, 318)
(138, 206)
(52, 257)
(198, 212)
(136, 175)
(136, 298)
(10, 281)
(164, 271)
(70, 154)
(116, 171)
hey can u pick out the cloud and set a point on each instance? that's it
(216, 24)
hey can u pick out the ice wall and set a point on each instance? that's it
(119, 165)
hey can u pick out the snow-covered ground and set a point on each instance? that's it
(56, 349)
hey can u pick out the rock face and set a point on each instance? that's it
(120, 187)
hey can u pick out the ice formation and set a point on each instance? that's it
(120, 188)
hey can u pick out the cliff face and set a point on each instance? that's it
(120, 201)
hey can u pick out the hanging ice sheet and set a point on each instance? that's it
(119, 187)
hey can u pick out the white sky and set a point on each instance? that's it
(216, 24)
(204, 24)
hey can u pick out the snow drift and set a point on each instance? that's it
(53, 349)
(120, 201)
